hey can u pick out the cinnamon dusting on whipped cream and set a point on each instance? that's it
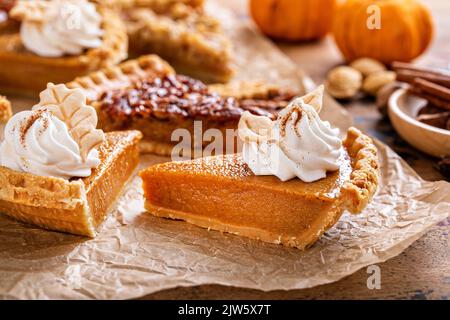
(57, 138)
(27, 125)
(298, 144)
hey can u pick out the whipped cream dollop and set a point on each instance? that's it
(38, 142)
(298, 144)
(59, 27)
(58, 137)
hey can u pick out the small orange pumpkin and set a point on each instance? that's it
(293, 20)
(385, 30)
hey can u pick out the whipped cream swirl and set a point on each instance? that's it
(38, 142)
(298, 144)
(59, 27)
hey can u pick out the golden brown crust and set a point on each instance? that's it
(74, 206)
(5, 110)
(121, 76)
(363, 183)
(17, 63)
(32, 190)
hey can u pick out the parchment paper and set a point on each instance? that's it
(137, 254)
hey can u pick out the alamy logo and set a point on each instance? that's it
(203, 143)
(374, 17)
(374, 280)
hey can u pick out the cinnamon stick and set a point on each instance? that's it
(397, 66)
(409, 76)
(432, 88)
(440, 103)
(439, 120)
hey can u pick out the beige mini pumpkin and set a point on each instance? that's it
(404, 33)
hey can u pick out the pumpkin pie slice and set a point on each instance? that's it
(147, 95)
(25, 71)
(222, 193)
(60, 173)
(77, 206)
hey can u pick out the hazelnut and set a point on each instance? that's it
(374, 82)
(367, 66)
(344, 82)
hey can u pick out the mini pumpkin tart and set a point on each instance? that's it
(57, 171)
(292, 182)
(57, 41)
(147, 95)
(190, 40)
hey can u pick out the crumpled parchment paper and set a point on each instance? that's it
(137, 254)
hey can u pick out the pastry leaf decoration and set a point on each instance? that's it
(69, 105)
(315, 98)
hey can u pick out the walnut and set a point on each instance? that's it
(374, 82)
(344, 82)
(367, 66)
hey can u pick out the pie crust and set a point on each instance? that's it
(221, 193)
(215, 110)
(5, 110)
(18, 63)
(5, 114)
(76, 206)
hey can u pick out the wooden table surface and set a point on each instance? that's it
(423, 270)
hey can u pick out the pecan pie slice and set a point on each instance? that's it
(184, 35)
(27, 72)
(147, 95)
